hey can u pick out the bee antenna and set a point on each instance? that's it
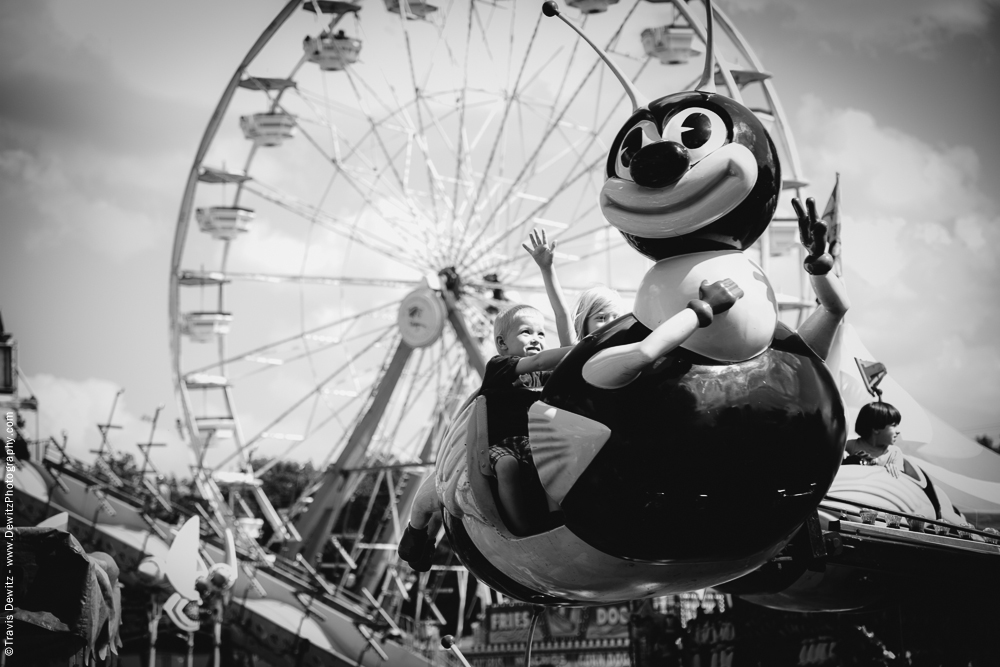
(639, 101)
(707, 82)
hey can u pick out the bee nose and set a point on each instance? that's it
(660, 164)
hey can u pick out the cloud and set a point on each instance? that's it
(913, 26)
(77, 406)
(919, 233)
(85, 157)
(105, 204)
(58, 89)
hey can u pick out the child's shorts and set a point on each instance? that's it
(516, 446)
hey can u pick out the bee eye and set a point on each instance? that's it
(696, 130)
(644, 133)
(631, 146)
(701, 131)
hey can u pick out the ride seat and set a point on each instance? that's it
(483, 480)
(481, 477)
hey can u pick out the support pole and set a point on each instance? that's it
(336, 487)
(476, 359)
(154, 627)
(217, 634)
(380, 561)
(463, 585)
(448, 643)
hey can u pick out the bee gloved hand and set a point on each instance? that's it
(720, 295)
(812, 233)
(714, 298)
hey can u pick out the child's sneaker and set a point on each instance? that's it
(416, 547)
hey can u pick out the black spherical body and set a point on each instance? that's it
(706, 461)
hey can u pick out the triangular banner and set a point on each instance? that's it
(831, 216)
(872, 373)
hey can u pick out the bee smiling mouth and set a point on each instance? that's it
(728, 175)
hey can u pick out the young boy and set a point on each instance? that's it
(512, 382)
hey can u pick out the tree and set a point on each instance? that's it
(124, 467)
(285, 481)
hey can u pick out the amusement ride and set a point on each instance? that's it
(351, 225)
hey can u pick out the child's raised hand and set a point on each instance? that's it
(541, 250)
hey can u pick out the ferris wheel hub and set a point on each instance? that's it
(421, 318)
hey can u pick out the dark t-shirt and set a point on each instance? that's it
(508, 397)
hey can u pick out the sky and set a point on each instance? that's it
(105, 102)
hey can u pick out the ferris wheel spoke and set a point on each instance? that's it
(572, 146)
(474, 13)
(267, 347)
(416, 136)
(302, 279)
(460, 134)
(474, 144)
(309, 433)
(416, 228)
(314, 215)
(400, 229)
(484, 248)
(343, 171)
(501, 133)
(440, 29)
(419, 248)
(569, 66)
(374, 128)
(513, 190)
(458, 375)
(417, 383)
(338, 342)
(518, 266)
(433, 178)
(595, 183)
(313, 100)
(529, 162)
(373, 398)
(295, 443)
(600, 251)
(594, 138)
(593, 133)
(317, 389)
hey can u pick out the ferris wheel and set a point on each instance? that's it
(354, 214)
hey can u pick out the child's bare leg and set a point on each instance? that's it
(516, 508)
(418, 541)
(426, 504)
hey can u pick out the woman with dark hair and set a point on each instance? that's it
(876, 427)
